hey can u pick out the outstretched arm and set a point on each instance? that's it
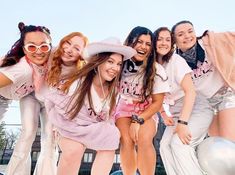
(4, 80)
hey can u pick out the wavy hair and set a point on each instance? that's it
(166, 57)
(16, 52)
(150, 69)
(53, 78)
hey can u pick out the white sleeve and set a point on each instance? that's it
(17, 72)
(181, 68)
(160, 81)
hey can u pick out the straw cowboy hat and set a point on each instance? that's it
(111, 44)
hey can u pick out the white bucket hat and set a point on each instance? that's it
(111, 44)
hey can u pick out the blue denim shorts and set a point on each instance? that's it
(223, 99)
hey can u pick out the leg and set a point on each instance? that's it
(71, 156)
(4, 104)
(127, 147)
(146, 154)
(185, 155)
(20, 162)
(214, 127)
(46, 163)
(103, 163)
(166, 152)
(227, 123)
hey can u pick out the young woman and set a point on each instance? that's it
(66, 59)
(187, 127)
(83, 115)
(211, 57)
(142, 89)
(23, 71)
(15, 69)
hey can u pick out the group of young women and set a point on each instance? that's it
(106, 93)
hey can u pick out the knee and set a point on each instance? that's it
(28, 133)
(145, 140)
(126, 141)
(175, 142)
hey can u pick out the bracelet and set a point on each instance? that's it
(162, 112)
(182, 122)
(137, 119)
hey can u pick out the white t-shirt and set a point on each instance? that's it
(132, 81)
(21, 76)
(176, 69)
(206, 78)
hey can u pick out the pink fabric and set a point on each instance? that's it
(39, 74)
(125, 109)
(220, 48)
(84, 128)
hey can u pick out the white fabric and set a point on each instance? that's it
(4, 103)
(132, 82)
(176, 69)
(205, 76)
(179, 158)
(20, 162)
(160, 83)
(21, 76)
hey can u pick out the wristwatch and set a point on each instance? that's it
(137, 119)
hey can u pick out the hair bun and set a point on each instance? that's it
(21, 26)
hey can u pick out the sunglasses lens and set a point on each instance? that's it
(31, 48)
(45, 47)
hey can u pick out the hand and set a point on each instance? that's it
(183, 133)
(134, 131)
(168, 121)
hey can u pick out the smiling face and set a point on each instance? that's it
(185, 36)
(110, 68)
(39, 57)
(163, 43)
(143, 47)
(72, 49)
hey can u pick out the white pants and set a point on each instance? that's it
(20, 162)
(180, 159)
(4, 104)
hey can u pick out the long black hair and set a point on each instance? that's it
(150, 69)
(16, 52)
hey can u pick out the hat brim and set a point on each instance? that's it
(96, 48)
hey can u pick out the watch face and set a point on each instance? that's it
(141, 121)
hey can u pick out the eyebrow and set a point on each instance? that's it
(191, 28)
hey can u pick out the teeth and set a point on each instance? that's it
(141, 52)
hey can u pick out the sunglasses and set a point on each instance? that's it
(32, 48)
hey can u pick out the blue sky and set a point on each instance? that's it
(98, 19)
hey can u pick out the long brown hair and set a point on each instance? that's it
(166, 57)
(149, 68)
(54, 73)
(86, 75)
